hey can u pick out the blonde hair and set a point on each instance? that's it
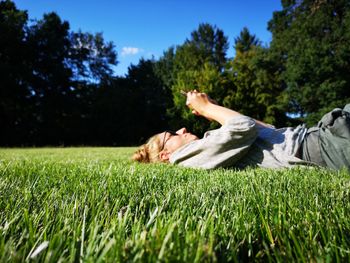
(149, 152)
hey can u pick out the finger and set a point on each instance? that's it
(195, 112)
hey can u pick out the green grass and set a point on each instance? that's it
(94, 205)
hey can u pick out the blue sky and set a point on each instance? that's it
(148, 28)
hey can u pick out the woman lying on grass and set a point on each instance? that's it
(242, 141)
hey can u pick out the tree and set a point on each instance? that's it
(209, 44)
(149, 97)
(15, 98)
(90, 57)
(256, 88)
(164, 68)
(51, 77)
(48, 74)
(130, 109)
(197, 64)
(246, 41)
(313, 41)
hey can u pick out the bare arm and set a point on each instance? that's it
(202, 105)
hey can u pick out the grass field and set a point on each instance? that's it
(94, 205)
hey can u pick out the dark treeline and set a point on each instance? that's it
(57, 86)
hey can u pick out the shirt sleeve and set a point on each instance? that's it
(219, 148)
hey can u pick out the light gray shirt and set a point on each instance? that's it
(241, 142)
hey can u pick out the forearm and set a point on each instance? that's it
(221, 114)
(217, 113)
(202, 105)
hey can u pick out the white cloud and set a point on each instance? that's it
(130, 51)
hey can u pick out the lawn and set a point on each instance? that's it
(95, 205)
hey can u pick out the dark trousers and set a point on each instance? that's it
(328, 143)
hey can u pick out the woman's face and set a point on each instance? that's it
(171, 141)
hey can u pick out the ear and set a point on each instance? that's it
(164, 156)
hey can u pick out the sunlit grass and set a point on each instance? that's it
(94, 204)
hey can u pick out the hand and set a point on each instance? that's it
(197, 101)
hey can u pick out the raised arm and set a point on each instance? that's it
(202, 105)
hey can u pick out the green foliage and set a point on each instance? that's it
(250, 83)
(164, 68)
(256, 88)
(312, 38)
(90, 56)
(128, 110)
(197, 64)
(246, 41)
(93, 204)
(150, 100)
(46, 71)
(209, 44)
(14, 69)
(57, 85)
(209, 80)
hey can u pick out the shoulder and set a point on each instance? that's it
(239, 123)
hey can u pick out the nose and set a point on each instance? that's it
(181, 131)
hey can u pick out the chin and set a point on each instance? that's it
(194, 138)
